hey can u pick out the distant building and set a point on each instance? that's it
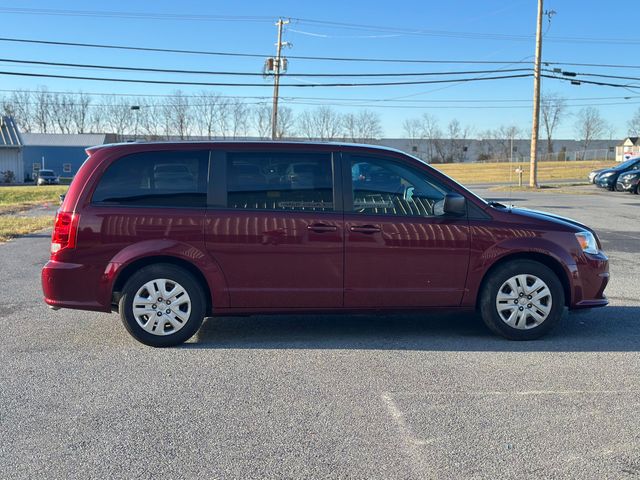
(60, 152)
(11, 166)
(628, 148)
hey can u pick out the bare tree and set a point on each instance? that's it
(97, 120)
(177, 115)
(206, 111)
(150, 118)
(223, 114)
(589, 126)
(634, 124)
(552, 109)
(504, 137)
(8, 107)
(487, 144)
(362, 126)
(323, 123)
(412, 128)
(117, 115)
(239, 119)
(42, 110)
(458, 135)
(286, 123)
(261, 120)
(80, 112)
(61, 111)
(21, 105)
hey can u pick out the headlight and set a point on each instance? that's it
(605, 175)
(587, 242)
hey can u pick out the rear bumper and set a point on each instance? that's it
(72, 285)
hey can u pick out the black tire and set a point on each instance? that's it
(187, 329)
(494, 282)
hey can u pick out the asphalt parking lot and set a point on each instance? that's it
(402, 396)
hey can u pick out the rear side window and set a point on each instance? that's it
(280, 181)
(158, 179)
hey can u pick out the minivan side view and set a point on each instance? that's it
(167, 234)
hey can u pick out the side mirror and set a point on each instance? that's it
(455, 204)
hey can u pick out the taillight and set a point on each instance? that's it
(65, 230)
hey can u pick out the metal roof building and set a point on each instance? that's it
(11, 165)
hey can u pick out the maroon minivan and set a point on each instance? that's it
(170, 233)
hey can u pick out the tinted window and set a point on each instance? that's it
(387, 187)
(164, 179)
(280, 181)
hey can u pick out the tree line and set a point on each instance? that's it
(208, 115)
(211, 115)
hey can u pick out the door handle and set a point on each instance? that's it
(369, 229)
(321, 228)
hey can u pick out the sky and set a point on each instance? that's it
(490, 30)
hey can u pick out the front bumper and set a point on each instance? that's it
(626, 186)
(590, 281)
(608, 182)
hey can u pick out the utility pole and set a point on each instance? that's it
(533, 169)
(277, 68)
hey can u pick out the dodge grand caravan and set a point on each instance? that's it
(167, 234)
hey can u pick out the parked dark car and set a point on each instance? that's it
(607, 178)
(264, 227)
(629, 182)
(47, 177)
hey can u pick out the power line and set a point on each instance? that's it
(136, 15)
(306, 57)
(325, 23)
(254, 74)
(591, 82)
(597, 65)
(247, 55)
(225, 84)
(464, 35)
(320, 99)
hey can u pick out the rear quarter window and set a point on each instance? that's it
(157, 179)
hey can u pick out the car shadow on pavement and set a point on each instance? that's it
(613, 328)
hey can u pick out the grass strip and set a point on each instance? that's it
(12, 226)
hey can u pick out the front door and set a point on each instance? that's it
(278, 237)
(401, 250)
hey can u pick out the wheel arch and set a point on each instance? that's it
(128, 270)
(553, 264)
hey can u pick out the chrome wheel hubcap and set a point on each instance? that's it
(524, 301)
(161, 307)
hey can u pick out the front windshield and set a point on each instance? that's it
(629, 163)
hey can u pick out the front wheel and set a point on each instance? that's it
(162, 305)
(522, 300)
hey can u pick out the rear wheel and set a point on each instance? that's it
(162, 305)
(522, 300)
